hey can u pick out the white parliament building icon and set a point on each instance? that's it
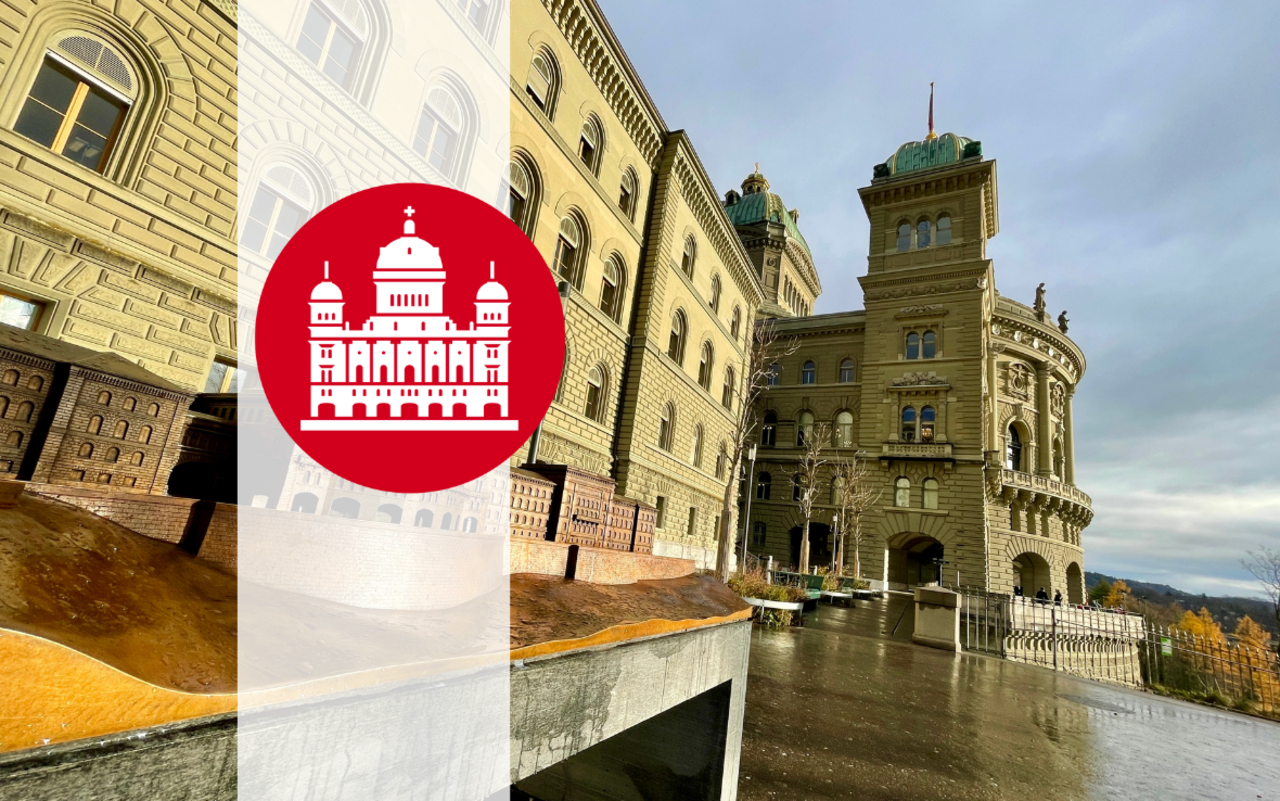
(409, 367)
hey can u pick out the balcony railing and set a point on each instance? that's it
(916, 450)
(1044, 484)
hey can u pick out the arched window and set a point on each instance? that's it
(627, 194)
(927, 419)
(35, 383)
(543, 83)
(904, 237)
(679, 329)
(922, 234)
(440, 128)
(144, 435)
(809, 373)
(113, 455)
(729, 389)
(735, 325)
(282, 202)
(1057, 459)
(611, 287)
(844, 429)
(797, 486)
(130, 404)
(79, 100)
(595, 394)
(764, 485)
(10, 377)
(154, 410)
(908, 424)
(104, 398)
(591, 143)
(1013, 449)
(902, 492)
(14, 438)
(333, 42)
(928, 345)
(944, 230)
(388, 513)
(522, 192)
(121, 429)
(666, 425)
(769, 430)
(846, 371)
(758, 533)
(913, 345)
(446, 522)
(24, 412)
(86, 450)
(4, 405)
(470, 525)
(423, 518)
(570, 244)
(931, 493)
(95, 425)
(695, 458)
(715, 293)
(722, 463)
(706, 360)
(775, 375)
(804, 428)
(690, 256)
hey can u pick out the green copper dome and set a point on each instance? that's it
(936, 152)
(758, 204)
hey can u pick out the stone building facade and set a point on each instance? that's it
(661, 291)
(770, 232)
(958, 397)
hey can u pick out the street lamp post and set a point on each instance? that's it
(746, 517)
(837, 555)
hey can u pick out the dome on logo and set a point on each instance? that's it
(492, 291)
(326, 290)
(409, 252)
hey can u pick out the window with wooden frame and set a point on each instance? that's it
(79, 100)
(20, 311)
(543, 83)
(440, 130)
(331, 41)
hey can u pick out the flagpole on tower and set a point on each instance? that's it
(931, 135)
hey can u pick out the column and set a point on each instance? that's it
(1044, 437)
(993, 402)
(1069, 447)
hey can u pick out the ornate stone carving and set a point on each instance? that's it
(919, 379)
(912, 311)
(926, 289)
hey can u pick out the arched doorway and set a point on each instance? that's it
(1031, 572)
(304, 502)
(1075, 584)
(388, 513)
(917, 561)
(819, 545)
(348, 508)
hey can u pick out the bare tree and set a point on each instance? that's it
(856, 493)
(1264, 564)
(762, 363)
(809, 476)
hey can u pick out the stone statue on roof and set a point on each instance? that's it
(1062, 321)
(1039, 306)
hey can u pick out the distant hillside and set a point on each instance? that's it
(1226, 610)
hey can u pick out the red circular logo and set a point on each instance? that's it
(410, 338)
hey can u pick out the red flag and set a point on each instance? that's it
(930, 107)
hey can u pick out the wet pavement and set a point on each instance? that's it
(847, 708)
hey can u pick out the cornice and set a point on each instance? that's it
(1025, 335)
(584, 27)
(914, 187)
(808, 271)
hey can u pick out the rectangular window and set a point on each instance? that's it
(271, 222)
(327, 45)
(224, 377)
(70, 116)
(693, 520)
(660, 503)
(20, 312)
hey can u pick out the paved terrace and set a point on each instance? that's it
(842, 709)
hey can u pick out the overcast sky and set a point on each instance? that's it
(1139, 152)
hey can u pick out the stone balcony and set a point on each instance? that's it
(1041, 493)
(916, 450)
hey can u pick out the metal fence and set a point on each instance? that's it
(1110, 645)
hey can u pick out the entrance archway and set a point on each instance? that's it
(1075, 584)
(917, 561)
(1031, 572)
(819, 545)
(304, 502)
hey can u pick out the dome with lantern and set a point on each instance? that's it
(326, 291)
(410, 252)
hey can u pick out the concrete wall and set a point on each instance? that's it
(594, 565)
(562, 706)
